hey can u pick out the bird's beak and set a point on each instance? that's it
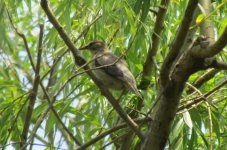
(84, 47)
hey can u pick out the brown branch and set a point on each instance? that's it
(52, 78)
(203, 79)
(32, 96)
(81, 61)
(155, 12)
(153, 48)
(206, 27)
(75, 41)
(219, 65)
(84, 32)
(28, 143)
(53, 65)
(41, 118)
(210, 51)
(38, 123)
(178, 41)
(201, 98)
(24, 40)
(114, 35)
(210, 125)
(104, 134)
(149, 62)
(58, 117)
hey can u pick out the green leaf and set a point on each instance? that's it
(187, 119)
(177, 130)
(129, 13)
(137, 6)
(200, 18)
(145, 9)
(198, 130)
(67, 18)
(192, 140)
(50, 123)
(223, 25)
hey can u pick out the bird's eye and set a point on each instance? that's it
(91, 44)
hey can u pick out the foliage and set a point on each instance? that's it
(127, 27)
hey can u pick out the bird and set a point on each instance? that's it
(112, 71)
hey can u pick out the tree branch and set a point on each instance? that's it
(24, 40)
(220, 65)
(33, 93)
(203, 79)
(84, 32)
(206, 27)
(104, 134)
(201, 98)
(149, 63)
(81, 61)
(57, 116)
(212, 50)
(178, 41)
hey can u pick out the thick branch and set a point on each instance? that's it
(81, 61)
(212, 50)
(207, 28)
(148, 65)
(178, 40)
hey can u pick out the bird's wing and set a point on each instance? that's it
(112, 64)
(118, 69)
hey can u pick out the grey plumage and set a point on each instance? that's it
(115, 75)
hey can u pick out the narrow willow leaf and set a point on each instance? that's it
(187, 119)
(200, 18)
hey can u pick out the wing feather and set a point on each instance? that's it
(115, 64)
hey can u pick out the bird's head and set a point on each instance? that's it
(95, 46)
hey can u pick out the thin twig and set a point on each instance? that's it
(107, 132)
(24, 39)
(201, 98)
(53, 65)
(84, 32)
(210, 125)
(114, 35)
(33, 94)
(43, 145)
(115, 139)
(57, 116)
(15, 120)
(13, 101)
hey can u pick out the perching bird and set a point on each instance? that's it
(115, 75)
